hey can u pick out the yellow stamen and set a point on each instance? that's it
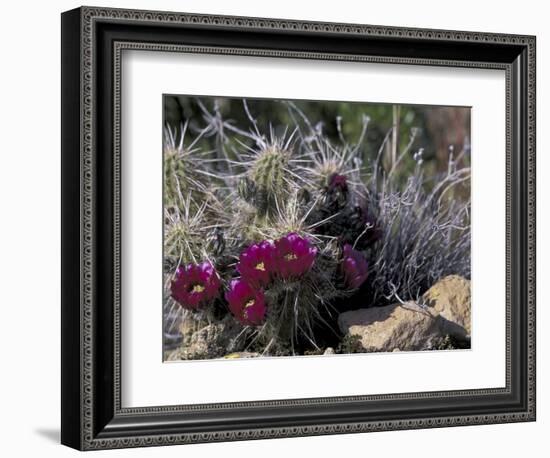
(198, 289)
(250, 303)
(290, 257)
(260, 266)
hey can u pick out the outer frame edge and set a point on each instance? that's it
(89, 13)
(71, 395)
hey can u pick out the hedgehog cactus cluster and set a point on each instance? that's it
(278, 231)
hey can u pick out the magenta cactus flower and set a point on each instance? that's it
(246, 303)
(355, 267)
(339, 182)
(294, 255)
(195, 285)
(337, 192)
(256, 263)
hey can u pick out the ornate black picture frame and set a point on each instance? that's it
(92, 42)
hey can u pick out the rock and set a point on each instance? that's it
(241, 355)
(451, 298)
(405, 327)
(445, 311)
(187, 328)
(174, 355)
(329, 351)
(208, 341)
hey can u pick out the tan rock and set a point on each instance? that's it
(404, 327)
(451, 298)
(206, 341)
(444, 311)
(188, 327)
(174, 355)
(241, 355)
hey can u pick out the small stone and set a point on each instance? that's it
(241, 355)
(174, 355)
(329, 351)
(206, 341)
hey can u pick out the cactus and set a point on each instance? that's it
(269, 179)
(307, 192)
(184, 172)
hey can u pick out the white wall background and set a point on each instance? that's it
(30, 240)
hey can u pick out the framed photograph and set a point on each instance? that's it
(276, 228)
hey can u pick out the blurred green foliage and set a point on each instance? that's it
(437, 129)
